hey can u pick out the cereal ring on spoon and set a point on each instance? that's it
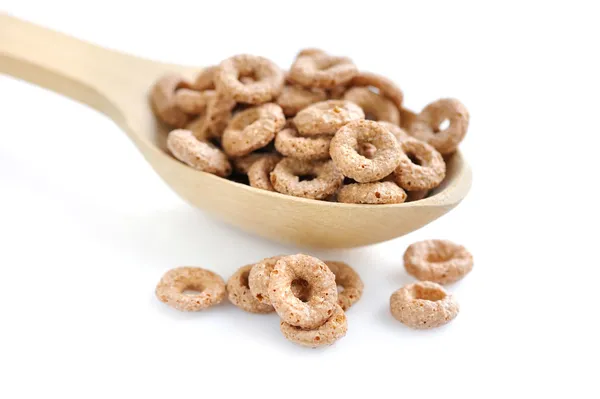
(295, 98)
(205, 79)
(313, 148)
(259, 172)
(326, 117)
(198, 154)
(325, 178)
(421, 166)
(315, 68)
(383, 192)
(385, 86)
(162, 100)
(423, 305)
(239, 294)
(193, 101)
(172, 286)
(375, 106)
(440, 261)
(349, 280)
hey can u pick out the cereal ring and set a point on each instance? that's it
(259, 278)
(243, 164)
(407, 118)
(396, 130)
(375, 106)
(346, 277)
(258, 173)
(345, 143)
(196, 126)
(326, 117)
(295, 98)
(440, 261)
(323, 291)
(252, 129)
(423, 305)
(428, 123)
(290, 144)
(172, 286)
(218, 114)
(286, 178)
(421, 166)
(205, 79)
(239, 292)
(162, 99)
(337, 93)
(268, 79)
(332, 330)
(193, 101)
(418, 195)
(385, 86)
(198, 154)
(371, 193)
(315, 68)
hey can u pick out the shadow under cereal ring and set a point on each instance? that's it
(172, 285)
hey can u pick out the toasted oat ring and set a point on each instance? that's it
(268, 79)
(175, 282)
(258, 173)
(218, 114)
(243, 164)
(333, 329)
(205, 79)
(440, 261)
(383, 192)
(239, 293)
(315, 68)
(385, 86)
(193, 101)
(259, 278)
(162, 99)
(421, 166)
(396, 130)
(198, 154)
(295, 98)
(375, 106)
(326, 117)
(252, 129)
(323, 291)
(426, 126)
(423, 305)
(344, 151)
(346, 277)
(407, 118)
(313, 148)
(417, 195)
(286, 178)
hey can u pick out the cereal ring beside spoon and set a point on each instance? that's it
(423, 305)
(440, 261)
(333, 329)
(172, 286)
(325, 178)
(239, 294)
(349, 280)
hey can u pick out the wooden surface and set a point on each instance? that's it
(117, 85)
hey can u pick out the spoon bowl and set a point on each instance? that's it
(117, 85)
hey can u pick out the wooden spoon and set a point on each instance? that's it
(118, 84)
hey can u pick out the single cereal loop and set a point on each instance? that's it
(196, 126)
(423, 305)
(332, 330)
(205, 79)
(323, 291)
(286, 178)
(326, 117)
(198, 154)
(295, 98)
(427, 173)
(344, 151)
(268, 79)
(396, 130)
(418, 195)
(259, 278)
(313, 148)
(259, 172)
(372, 193)
(440, 261)
(239, 294)
(315, 68)
(346, 277)
(375, 106)
(162, 99)
(385, 86)
(193, 101)
(175, 282)
(426, 127)
(243, 164)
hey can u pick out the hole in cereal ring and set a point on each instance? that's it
(413, 158)
(306, 177)
(429, 293)
(301, 289)
(244, 279)
(445, 124)
(435, 257)
(192, 291)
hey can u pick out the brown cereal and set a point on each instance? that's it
(196, 126)
(349, 280)
(396, 130)
(252, 129)
(162, 99)
(417, 195)
(258, 173)
(315, 68)
(427, 125)
(344, 151)
(259, 278)
(172, 286)
(205, 79)
(407, 118)
(313, 148)
(385, 86)
(323, 291)
(333, 329)
(193, 101)
(440, 261)
(375, 106)
(243, 164)
(367, 150)
(421, 166)
(239, 292)
(295, 98)
(218, 114)
(198, 154)
(423, 305)
(372, 193)
(337, 93)
(326, 117)
(268, 79)
(326, 178)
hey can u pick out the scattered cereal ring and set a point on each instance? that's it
(375, 106)
(205, 79)
(198, 154)
(243, 164)
(162, 99)
(346, 277)
(385, 86)
(172, 286)
(333, 329)
(417, 195)
(252, 129)
(268, 79)
(193, 101)
(313, 148)
(258, 173)
(396, 130)
(421, 166)
(286, 178)
(239, 292)
(259, 278)
(326, 117)
(423, 305)
(315, 68)
(440, 261)
(218, 114)
(372, 193)
(428, 123)
(295, 98)
(345, 143)
(323, 291)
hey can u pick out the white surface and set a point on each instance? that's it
(87, 229)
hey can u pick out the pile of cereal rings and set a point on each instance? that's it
(324, 130)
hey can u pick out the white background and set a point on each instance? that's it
(87, 229)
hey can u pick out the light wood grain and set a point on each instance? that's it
(117, 84)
